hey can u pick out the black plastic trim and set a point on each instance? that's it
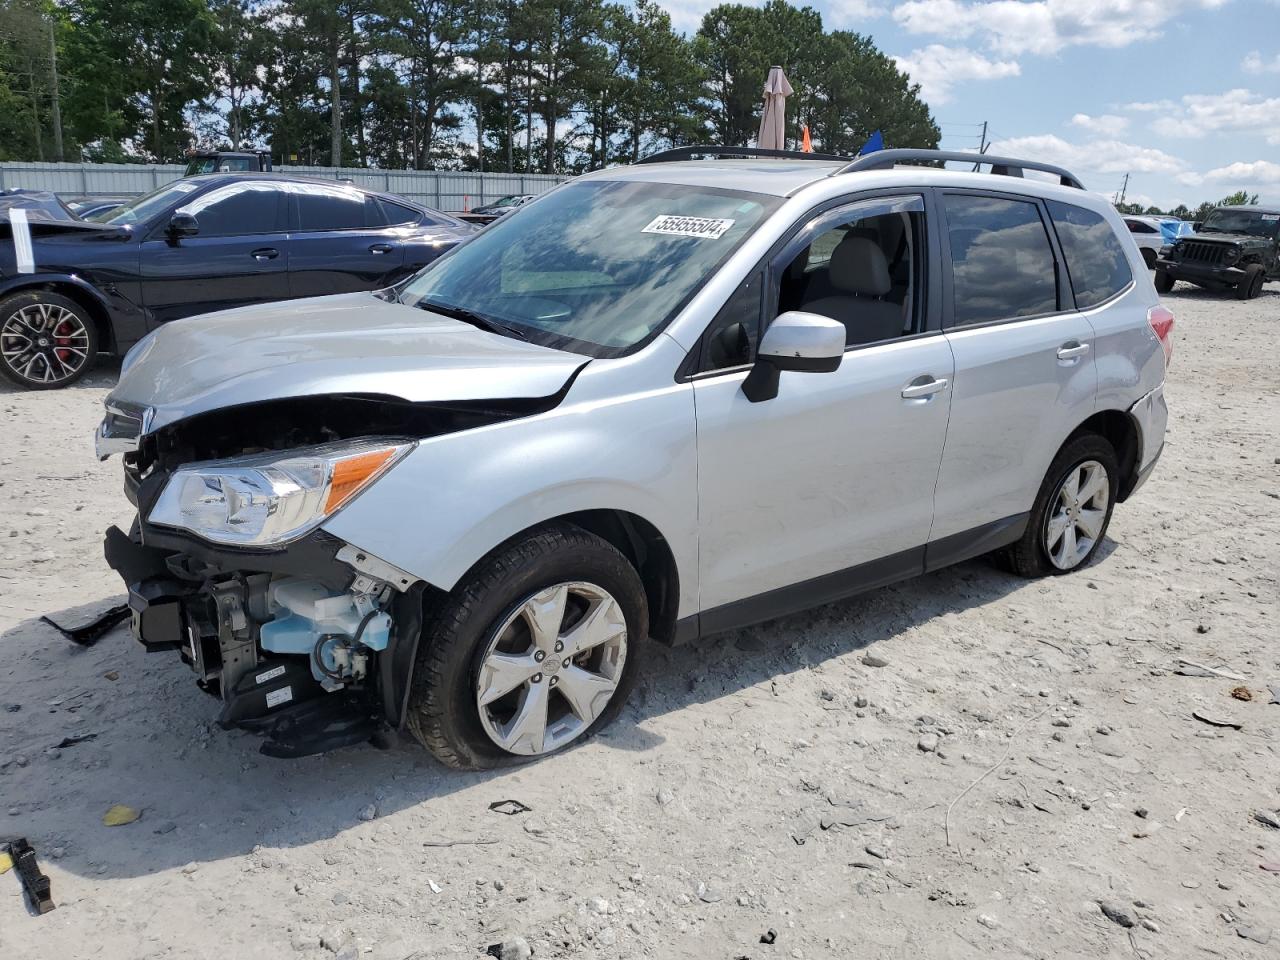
(689, 153)
(1002, 166)
(974, 543)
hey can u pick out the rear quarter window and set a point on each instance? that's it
(1096, 261)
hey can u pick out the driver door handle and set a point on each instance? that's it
(263, 254)
(920, 388)
(381, 248)
(1072, 349)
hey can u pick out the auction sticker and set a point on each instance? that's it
(674, 225)
(277, 697)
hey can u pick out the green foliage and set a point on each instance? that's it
(536, 85)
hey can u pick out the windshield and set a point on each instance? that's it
(596, 266)
(1251, 222)
(141, 209)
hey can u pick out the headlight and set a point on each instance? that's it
(1166, 250)
(1231, 255)
(271, 498)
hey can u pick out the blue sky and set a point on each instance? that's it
(1184, 95)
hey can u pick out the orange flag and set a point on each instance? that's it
(806, 144)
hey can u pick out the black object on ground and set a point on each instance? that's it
(34, 883)
(89, 634)
(509, 807)
(72, 741)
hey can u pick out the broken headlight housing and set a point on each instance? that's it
(271, 498)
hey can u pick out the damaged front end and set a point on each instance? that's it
(306, 639)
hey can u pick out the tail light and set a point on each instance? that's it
(1161, 321)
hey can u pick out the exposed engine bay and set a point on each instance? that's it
(310, 643)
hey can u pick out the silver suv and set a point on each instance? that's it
(660, 401)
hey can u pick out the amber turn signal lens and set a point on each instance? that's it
(353, 473)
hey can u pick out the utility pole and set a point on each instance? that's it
(1123, 189)
(982, 144)
(57, 105)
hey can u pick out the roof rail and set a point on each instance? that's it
(689, 153)
(1003, 166)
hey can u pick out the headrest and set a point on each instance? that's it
(858, 266)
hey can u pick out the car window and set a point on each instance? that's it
(596, 266)
(1096, 263)
(1137, 226)
(863, 268)
(1002, 263)
(141, 209)
(381, 212)
(732, 337)
(329, 208)
(241, 208)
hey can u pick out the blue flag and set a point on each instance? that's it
(874, 142)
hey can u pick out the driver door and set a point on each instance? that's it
(827, 488)
(240, 255)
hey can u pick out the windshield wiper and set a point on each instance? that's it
(473, 318)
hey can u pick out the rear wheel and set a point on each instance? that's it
(46, 340)
(1164, 282)
(1251, 284)
(1072, 510)
(537, 649)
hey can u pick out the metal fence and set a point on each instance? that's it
(442, 189)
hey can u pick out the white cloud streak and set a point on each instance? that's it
(938, 68)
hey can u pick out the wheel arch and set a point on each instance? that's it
(1121, 430)
(78, 291)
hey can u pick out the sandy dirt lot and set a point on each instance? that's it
(764, 780)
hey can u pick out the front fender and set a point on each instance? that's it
(124, 322)
(458, 496)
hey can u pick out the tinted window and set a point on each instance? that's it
(862, 270)
(731, 339)
(1096, 262)
(384, 213)
(1137, 226)
(1001, 261)
(243, 208)
(324, 208)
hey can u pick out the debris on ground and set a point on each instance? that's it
(72, 741)
(119, 815)
(509, 807)
(87, 634)
(1242, 693)
(515, 948)
(35, 884)
(1256, 934)
(1217, 721)
(769, 936)
(1117, 913)
(1267, 818)
(1189, 668)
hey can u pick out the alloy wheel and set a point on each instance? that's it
(1077, 515)
(44, 343)
(551, 668)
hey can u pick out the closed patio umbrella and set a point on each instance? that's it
(773, 122)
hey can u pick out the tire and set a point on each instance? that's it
(486, 616)
(1251, 285)
(47, 341)
(1034, 554)
(1164, 282)
(1149, 258)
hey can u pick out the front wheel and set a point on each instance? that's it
(535, 650)
(46, 340)
(1251, 284)
(1149, 258)
(1164, 282)
(1072, 510)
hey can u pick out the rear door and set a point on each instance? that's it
(1025, 375)
(240, 255)
(343, 240)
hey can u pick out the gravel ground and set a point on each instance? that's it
(769, 780)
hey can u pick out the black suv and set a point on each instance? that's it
(1235, 247)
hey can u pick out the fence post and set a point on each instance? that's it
(84, 180)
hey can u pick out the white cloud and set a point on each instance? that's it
(1253, 63)
(1236, 111)
(1107, 124)
(938, 68)
(850, 13)
(1096, 156)
(1012, 27)
(1257, 171)
(686, 15)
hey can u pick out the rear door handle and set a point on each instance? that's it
(381, 248)
(263, 254)
(921, 388)
(1072, 349)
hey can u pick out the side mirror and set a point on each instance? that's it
(805, 342)
(183, 225)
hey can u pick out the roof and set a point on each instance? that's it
(774, 177)
(1251, 208)
(232, 176)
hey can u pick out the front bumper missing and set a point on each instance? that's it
(206, 604)
(1194, 272)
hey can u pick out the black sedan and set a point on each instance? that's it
(71, 288)
(89, 207)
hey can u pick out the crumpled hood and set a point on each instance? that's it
(349, 343)
(1211, 237)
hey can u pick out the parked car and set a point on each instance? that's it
(1235, 248)
(196, 245)
(1152, 234)
(89, 207)
(227, 161)
(489, 212)
(661, 402)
